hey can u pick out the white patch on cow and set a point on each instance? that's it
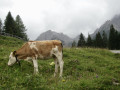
(28, 59)
(12, 59)
(33, 45)
(54, 50)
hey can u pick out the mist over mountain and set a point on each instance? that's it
(106, 26)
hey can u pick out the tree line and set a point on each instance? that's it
(100, 40)
(13, 26)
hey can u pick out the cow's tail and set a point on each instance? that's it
(62, 49)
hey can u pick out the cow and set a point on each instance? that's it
(32, 50)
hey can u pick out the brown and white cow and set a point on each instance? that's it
(33, 50)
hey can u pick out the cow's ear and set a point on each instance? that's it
(14, 53)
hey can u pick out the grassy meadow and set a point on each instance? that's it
(84, 68)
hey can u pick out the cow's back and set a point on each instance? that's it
(43, 48)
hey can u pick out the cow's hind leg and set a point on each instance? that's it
(35, 63)
(61, 62)
(56, 67)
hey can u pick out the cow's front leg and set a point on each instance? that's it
(35, 63)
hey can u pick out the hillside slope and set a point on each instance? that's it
(10, 41)
(84, 68)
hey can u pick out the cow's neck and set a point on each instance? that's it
(21, 54)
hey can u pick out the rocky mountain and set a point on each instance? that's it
(106, 26)
(52, 35)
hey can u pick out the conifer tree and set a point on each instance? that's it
(89, 41)
(116, 44)
(20, 28)
(74, 44)
(9, 24)
(0, 26)
(118, 41)
(98, 40)
(112, 38)
(81, 41)
(104, 39)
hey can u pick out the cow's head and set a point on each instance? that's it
(12, 58)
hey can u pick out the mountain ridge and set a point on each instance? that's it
(106, 26)
(52, 35)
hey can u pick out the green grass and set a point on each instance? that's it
(84, 68)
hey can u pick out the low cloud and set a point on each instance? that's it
(68, 16)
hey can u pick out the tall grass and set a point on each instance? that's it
(84, 68)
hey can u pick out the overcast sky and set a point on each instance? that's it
(70, 17)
